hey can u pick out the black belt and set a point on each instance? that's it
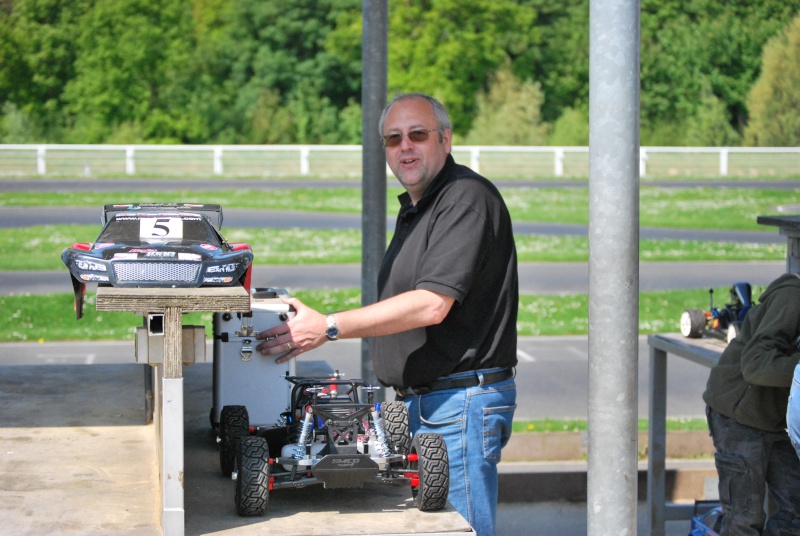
(456, 383)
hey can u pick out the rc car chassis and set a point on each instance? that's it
(329, 437)
(723, 324)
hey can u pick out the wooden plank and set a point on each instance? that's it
(153, 300)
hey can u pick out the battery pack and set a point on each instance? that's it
(243, 376)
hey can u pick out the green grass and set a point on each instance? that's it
(700, 208)
(50, 317)
(577, 425)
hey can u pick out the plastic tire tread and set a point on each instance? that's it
(252, 481)
(693, 323)
(732, 333)
(395, 423)
(234, 425)
(434, 472)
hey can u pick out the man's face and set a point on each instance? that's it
(415, 164)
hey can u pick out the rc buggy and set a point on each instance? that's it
(723, 323)
(329, 436)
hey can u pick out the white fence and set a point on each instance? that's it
(345, 161)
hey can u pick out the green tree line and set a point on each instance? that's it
(512, 72)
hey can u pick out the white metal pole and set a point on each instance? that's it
(614, 162)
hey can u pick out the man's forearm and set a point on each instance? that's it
(410, 310)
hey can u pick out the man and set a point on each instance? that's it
(747, 394)
(446, 317)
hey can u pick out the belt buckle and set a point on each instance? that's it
(412, 391)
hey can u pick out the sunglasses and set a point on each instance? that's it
(417, 136)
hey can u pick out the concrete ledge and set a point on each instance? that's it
(686, 481)
(552, 467)
(563, 446)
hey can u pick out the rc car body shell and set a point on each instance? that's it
(158, 245)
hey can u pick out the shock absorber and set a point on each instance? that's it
(378, 434)
(305, 434)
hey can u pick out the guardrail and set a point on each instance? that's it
(345, 160)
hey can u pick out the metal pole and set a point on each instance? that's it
(374, 84)
(613, 265)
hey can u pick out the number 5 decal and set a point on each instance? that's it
(161, 228)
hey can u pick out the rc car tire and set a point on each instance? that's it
(252, 480)
(433, 468)
(693, 322)
(395, 423)
(234, 425)
(733, 331)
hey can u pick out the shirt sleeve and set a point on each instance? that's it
(771, 354)
(457, 246)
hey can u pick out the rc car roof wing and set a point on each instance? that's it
(214, 212)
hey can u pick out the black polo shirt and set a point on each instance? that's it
(456, 241)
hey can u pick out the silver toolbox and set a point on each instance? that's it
(243, 376)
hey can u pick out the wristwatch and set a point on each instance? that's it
(332, 332)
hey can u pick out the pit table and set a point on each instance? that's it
(788, 226)
(167, 376)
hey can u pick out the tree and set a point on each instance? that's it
(571, 128)
(710, 126)
(775, 97)
(129, 69)
(509, 113)
(36, 46)
(691, 48)
(272, 63)
(449, 48)
(559, 59)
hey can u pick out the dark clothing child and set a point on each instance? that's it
(746, 395)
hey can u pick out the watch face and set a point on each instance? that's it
(332, 333)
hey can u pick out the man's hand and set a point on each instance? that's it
(302, 333)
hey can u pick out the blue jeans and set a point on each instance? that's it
(750, 462)
(793, 412)
(475, 423)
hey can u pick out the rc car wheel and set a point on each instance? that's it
(234, 425)
(433, 469)
(693, 322)
(395, 423)
(733, 331)
(252, 476)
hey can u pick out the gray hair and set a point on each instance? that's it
(442, 118)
